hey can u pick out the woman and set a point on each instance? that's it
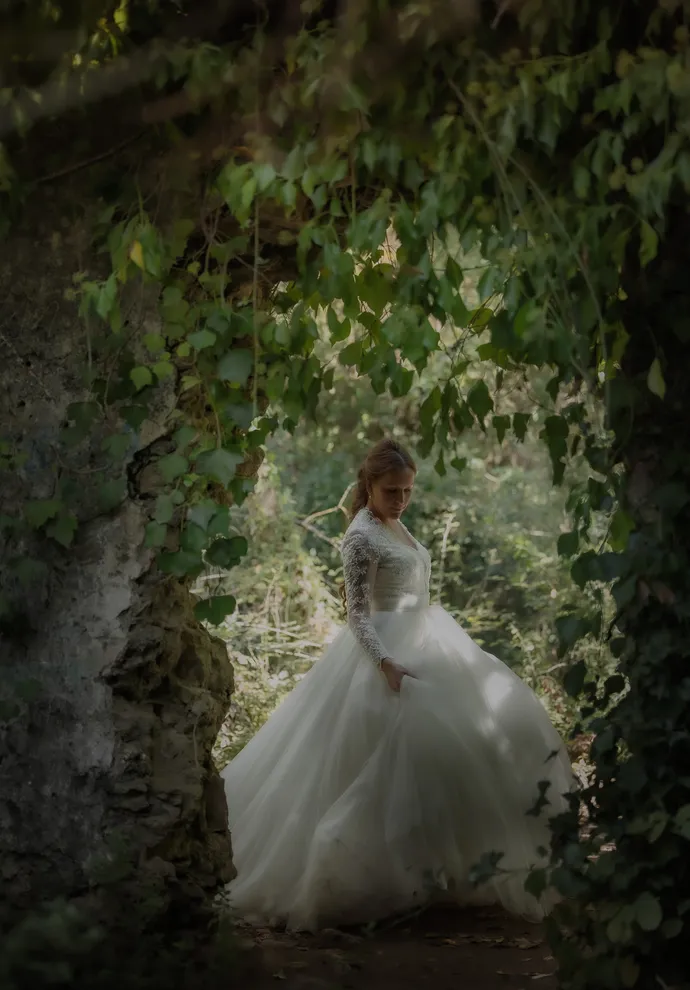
(405, 755)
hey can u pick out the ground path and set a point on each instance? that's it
(449, 948)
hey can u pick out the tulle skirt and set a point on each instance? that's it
(353, 802)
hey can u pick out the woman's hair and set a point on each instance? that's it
(387, 455)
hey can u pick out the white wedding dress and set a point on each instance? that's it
(353, 802)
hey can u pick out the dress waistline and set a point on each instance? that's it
(416, 607)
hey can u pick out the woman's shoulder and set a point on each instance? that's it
(362, 532)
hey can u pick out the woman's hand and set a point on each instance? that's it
(394, 674)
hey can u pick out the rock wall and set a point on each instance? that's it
(111, 694)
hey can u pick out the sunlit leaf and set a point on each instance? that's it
(141, 377)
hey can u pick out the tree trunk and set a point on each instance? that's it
(112, 694)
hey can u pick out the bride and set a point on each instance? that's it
(404, 755)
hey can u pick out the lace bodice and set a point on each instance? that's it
(382, 574)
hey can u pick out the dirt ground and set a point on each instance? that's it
(450, 948)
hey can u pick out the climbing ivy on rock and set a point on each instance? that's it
(326, 182)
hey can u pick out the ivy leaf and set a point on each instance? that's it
(39, 512)
(214, 610)
(649, 243)
(479, 400)
(339, 331)
(454, 272)
(154, 342)
(136, 253)
(117, 446)
(247, 195)
(219, 464)
(112, 493)
(459, 463)
(173, 466)
(220, 524)
(555, 433)
(624, 591)
(239, 413)
(184, 436)
(183, 563)
(614, 684)
(163, 370)
(134, 415)
(501, 424)
(83, 414)
(480, 317)
(520, 423)
(655, 379)
(568, 544)
(584, 569)
(193, 538)
(552, 387)
(352, 354)
(106, 297)
(402, 381)
(648, 912)
(141, 377)
(236, 366)
(264, 174)
(609, 566)
(429, 408)
(165, 508)
(63, 529)
(226, 552)
(574, 680)
(202, 339)
(536, 883)
(622, 526)
(155, 534)
(202, 513)
(571, 628)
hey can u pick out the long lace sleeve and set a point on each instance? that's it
(360, 560)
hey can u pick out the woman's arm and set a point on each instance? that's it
(360, 562)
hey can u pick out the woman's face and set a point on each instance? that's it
(390, 494)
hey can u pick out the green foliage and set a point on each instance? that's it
(59, 944)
